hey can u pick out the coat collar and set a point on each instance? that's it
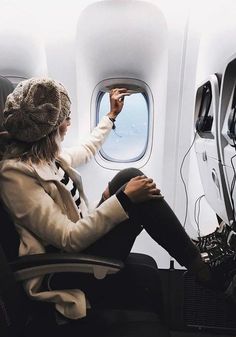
(47, 172)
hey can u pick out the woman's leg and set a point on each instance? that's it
(159, 221)
(119, 241)
(156, 217)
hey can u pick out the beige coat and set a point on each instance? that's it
(45, 213)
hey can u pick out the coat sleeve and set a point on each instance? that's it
(82, 153)
(32, 208)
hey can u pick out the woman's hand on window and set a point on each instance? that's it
(117, 96)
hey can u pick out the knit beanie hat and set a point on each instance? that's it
(35, 108)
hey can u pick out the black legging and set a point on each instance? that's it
(156, 217)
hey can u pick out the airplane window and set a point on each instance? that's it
(128, 141)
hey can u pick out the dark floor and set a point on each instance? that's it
(197, 334)
(189, 305)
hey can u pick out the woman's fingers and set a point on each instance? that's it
(119, 90)
(117, 96)
(138, 178)
(120, 93)
(154, 191)
(121, 97)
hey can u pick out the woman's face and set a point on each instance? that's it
(63, 127)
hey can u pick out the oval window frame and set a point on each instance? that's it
(134, 84)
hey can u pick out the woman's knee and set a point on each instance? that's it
(131, 172)
(122, 177)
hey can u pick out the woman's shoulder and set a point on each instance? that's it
(15, 164)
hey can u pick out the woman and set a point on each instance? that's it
(44, 193)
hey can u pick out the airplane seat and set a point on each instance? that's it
(216, 248)
(227, 136)
(6, 87)
(207, 147)
(140, 314)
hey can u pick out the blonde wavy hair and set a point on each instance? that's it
(44, 150)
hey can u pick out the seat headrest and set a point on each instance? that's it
(6, 87)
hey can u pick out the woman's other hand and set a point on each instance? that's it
(141, 188)
(117, 101)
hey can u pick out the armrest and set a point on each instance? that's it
(30, 266)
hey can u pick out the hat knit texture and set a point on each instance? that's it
(35, 108)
